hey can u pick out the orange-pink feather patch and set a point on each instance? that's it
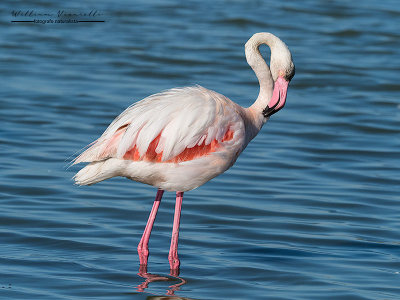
(185, 155)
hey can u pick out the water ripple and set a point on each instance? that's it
(309, 211)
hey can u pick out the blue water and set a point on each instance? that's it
(311, 209)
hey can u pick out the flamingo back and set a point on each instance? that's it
(174, 126)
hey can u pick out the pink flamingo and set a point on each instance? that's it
(181, 138)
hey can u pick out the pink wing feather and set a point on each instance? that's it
(173, 126)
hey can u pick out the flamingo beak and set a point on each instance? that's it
(278, 97)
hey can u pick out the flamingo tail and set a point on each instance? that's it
(96, 172)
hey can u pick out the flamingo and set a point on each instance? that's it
(179, 139)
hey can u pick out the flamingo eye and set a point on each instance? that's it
(289, 76)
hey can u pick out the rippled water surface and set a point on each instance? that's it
(311, 209)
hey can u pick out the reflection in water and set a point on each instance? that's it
(156, 278)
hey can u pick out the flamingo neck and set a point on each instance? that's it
(260, 68)
(265, 76)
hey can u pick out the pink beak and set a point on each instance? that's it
(278, 97)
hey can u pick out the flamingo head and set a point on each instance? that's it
(282, 70)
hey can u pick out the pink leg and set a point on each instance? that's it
(143, 247)
(173, 250)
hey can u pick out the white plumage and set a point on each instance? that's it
(181, 138)
(184, 118)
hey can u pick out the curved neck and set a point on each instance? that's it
(280, 57)
(260, 68)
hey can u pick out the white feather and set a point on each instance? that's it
(185, 117)
(201, 141)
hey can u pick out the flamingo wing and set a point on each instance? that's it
(173, 126)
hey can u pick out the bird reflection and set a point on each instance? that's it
(156, 278)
